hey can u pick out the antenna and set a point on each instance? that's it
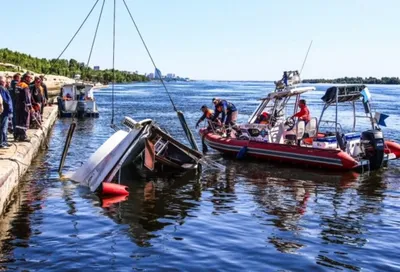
(305, 59)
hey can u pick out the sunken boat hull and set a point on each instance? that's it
(145, 149)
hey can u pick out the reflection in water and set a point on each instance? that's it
(15, 224)
(153, 205)
(222, 187)
(282, 196)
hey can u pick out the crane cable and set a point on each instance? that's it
(79, 29)
(113, 68)
(151, 58)
(73, 37)
(180, 115)
(95, 33)
(305, 59)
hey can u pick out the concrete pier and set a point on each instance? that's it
(15, 161)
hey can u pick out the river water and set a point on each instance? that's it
(255, 216)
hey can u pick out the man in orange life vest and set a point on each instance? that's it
(207, 114)
(304, 113)
(263, 119)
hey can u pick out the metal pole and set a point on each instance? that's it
(336, 117)
(66, 146)
(354, 116)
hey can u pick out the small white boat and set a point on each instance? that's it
(77, 99)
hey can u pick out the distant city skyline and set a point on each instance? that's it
(221, 40)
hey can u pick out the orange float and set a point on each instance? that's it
(109, 188)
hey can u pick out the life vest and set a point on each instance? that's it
(303, 114)
(209, 113)
(41, 90)
(22, 85)
(22, 97)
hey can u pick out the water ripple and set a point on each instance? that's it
(252, 217)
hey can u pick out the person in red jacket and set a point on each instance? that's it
(304, 113)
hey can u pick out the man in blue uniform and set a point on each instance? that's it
(228, 112)
(7, 112)
(13, 85)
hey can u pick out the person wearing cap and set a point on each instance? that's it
(228, 112)
(6, 113)
(207, 114)
(262, 119)
(23, 107)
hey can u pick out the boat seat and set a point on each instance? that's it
(300, 129)
(311, 128)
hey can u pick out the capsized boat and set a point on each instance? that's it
(77, 99)
(320, 143)
(142, 145)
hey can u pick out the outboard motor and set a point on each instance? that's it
(374, 147)
(81, 109)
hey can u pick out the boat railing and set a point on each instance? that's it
(160, 145)
(329, 125)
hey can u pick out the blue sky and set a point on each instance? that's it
(217, 39)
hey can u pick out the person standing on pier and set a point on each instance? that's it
(37, 99)
(44, 94)
(13, 85)
(8, 82)
(7, 112)
(23, 107)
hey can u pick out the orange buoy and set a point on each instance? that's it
(109, 188)
(108, 201)
(393, 147)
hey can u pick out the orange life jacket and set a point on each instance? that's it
(209, 113)
(22, 85)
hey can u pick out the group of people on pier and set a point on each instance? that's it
(22, 100)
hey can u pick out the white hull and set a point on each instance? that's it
(103, 161)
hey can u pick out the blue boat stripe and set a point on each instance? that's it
(276, 153)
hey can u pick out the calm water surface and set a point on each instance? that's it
(253, 217)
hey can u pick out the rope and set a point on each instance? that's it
(113, 66)
(76, 33)
(181, 117)
(95, 34)
(151, 58)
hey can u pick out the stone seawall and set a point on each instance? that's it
(15, 161)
